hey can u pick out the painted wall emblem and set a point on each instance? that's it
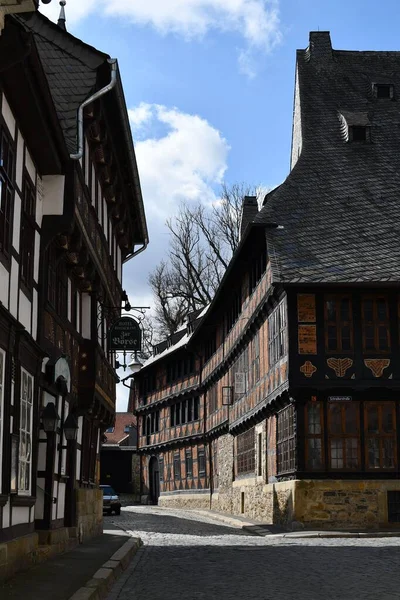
(308, 369)
(340, 365)
(377, 365)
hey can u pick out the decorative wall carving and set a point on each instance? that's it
(377, 365)
(340, 365)
(308, 369)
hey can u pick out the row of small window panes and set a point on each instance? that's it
(285, 424)
(151, 423)
(286, 455)
(241, 366)
(344, 421)
(257, 269)
(339, 324)
(234, 310)
(189, 463)
(245, 452)
(180, 368)
(185, 411)
(277, 333)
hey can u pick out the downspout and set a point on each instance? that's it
(104, 90)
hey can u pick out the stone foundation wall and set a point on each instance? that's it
(18, 554)
(343, 504)
(179, 500)
(89, 512)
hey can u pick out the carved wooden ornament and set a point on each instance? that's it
(377, 365)
(340, 365)
(308, 369)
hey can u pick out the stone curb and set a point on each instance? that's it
(322, 534)
(99, 585)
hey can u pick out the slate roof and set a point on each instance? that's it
(340, 205)
(122, 420)
(70, 66)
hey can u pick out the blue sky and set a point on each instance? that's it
(209, 86)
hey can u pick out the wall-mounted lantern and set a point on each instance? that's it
(50, 418)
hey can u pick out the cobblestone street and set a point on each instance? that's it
(187, 556)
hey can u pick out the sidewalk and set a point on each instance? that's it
(266, 529)
(84, 573)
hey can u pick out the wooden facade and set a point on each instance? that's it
(67, 224)
(297, 357)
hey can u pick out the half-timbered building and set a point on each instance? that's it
(71, 214)
(297, 357)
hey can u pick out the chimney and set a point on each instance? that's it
(320, 48)
(249, 211)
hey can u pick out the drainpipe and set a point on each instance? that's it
(104, 90)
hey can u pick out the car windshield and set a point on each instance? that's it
(108, 491)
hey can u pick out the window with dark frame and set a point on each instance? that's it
(246, 452)
(201, 461)
(189, 463)
(375, 324)
(7, 175)
(234, 309)
(212, 395)
(256, 358)
(177, 466)
(27, 246)
(358, 133)
(240, 375)
(286, 443)
(260, 455)
(393, 504)
(257, 270)
(344, 435)
(338, 324)
(277, 334)
(384, 90)
(314, 447)
(185, 411)
(380, 435)
(161, 468)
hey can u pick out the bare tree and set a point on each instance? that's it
(203, 239)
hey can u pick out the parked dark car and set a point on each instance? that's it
(111, 502)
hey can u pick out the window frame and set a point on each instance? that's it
(344, 435)
(375, 324)
(338, 323)
(245, 453)
(277, 326)
(177, 467)
(25, 459)
(7, 188)
(381, 437)
(2, 406)
(201, 461)
(314, 436)
(286, 440)
(28, 230)
(189, 463)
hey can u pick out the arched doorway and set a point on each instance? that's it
(154, 477)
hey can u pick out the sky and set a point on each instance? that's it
(209, 88)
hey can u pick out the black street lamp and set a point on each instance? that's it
(70, 428)
(50, 418)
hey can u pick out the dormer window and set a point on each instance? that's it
(357, 133)
(383, 90)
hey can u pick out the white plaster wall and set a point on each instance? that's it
(8, 116)
(25, 311)
(20, 160)
(4, 285)
(17, 221)
(39, 201)
(39, 505)
(30, 167)
(34, 314)
(54, 506)
(6, 515)
(86, 316)
(61, 500)
(13, 308)
(36, 257)
(20, 514)
(53, 194)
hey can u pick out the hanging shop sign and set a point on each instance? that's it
(125, 334)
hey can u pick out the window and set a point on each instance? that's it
(343, 435)
(375, 324)
(338, 324)
(2, 367)
(151, 424)
(234, 309)
(260, 455)
(240, 374)
(256, 358)
(393, 501)
(27, 246)
(380, 435)
(25, 433)
(212, 399)
(161, 468)
(210, 346)
(277, 334)
(201, 460)
(7, 169)
(314, 439)
(257, 269)
(358, 133)
(185, 411)
(383, 90)
(246, 452)
(189, 463)
(286, 448)
(177, 466)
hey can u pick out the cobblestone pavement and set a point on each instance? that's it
(187, 557)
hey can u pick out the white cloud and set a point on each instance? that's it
(184, 164)
(257, 21)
